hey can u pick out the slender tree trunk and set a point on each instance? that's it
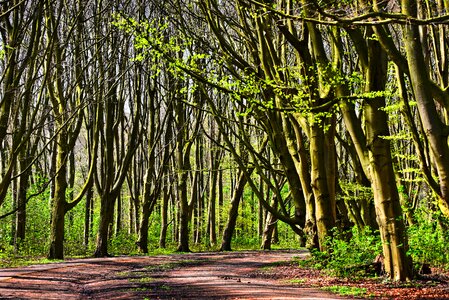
(21, 215)
(233, 212)
(270, 224)
(184, 214)
(119, 216)
(220, 194)
(261, 211)
(164, 216)
(131, 217)
(88, 213)
(59, 203)
(212, 198)
(147, 209)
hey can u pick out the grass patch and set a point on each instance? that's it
(295, 281)
(162, 251)
(272, 265)
(164, 287)
(139, 289)
(344, 290)
(123, 274)
(14, 262)
(161, 267)
(141, 280)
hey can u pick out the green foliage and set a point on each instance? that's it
(142, 280)
(296, 281)
(345, 290)
(74, 233)
(354, 191)
(428, 239)
(123, 243)
(8, 260)
(347, 256)
(242, 242)
(37, 226)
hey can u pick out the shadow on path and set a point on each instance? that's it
(227, 275)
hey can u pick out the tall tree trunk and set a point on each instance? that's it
(106, 219)
(270, 224)
(59, 202)
(261, 211)
(118, 216)
(214, 162)
(386, 197)
(164, 215)
(325, 208)
(435, 130)
(233, 212)
(88, 214)
(184, 213)
(220, 200)
(147, 209)
(21, 215)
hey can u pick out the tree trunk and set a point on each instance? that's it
(59, 202)
(220, 194)
(164, 216)
(435, 130)
(88, 214)
(106, 219)
(233, 212)
(184, 215)
(324, 205)
(212, 199)
(21, 215)
(386, 197)
(142, 242)
(270, 224)
(119, 216)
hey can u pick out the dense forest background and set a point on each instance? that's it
(127, 126)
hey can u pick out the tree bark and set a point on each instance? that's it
(229, 229)
(435, 130)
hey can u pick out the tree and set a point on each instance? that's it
(68, 126)
(20, 32)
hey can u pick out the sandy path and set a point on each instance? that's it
(232, 275)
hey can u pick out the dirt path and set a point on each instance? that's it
(233, 275)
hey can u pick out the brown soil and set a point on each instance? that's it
(232, 275)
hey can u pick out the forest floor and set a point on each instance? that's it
(230, 275)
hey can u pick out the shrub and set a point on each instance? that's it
(428, 239)
(123, 243)
(349, 256)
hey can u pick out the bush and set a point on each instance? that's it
(349, 256)
(428, 240)
(123, 243)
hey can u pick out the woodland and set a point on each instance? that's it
(190, 125)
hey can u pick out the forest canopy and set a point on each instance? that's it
(131, 125)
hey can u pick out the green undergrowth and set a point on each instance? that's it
(344, 290)
(349, 253)
(22, 261)
(295, 281)
(429, 239)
